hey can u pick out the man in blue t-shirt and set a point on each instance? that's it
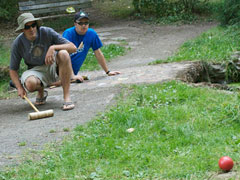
(85, 38)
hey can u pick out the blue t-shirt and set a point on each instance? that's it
(90, 40)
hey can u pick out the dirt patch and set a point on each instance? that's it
(214, 75)
(7, 30)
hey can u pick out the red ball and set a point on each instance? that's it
(225, 163)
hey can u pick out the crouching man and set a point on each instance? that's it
(46, 54)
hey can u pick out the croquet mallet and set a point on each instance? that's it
(38, 114)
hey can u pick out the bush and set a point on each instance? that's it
(230, 13)
(181, 9)
(172, 10)
(8, 9)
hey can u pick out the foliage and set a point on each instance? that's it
(230, 13)
(4, 62)
(113, 8)
(233, 71)
(59, 24)
(180, 132)
(8, 9)
(177, 10)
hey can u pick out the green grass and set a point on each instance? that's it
(180, 133)
(4, 56)
(215, 45)
(109, 51)
(4, 63)
(22, 144)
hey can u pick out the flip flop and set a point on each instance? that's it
(42, 101)
(68, 106)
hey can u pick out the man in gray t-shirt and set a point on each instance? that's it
(46, 54)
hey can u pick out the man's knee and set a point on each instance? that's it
(63, 57)
(32, 83)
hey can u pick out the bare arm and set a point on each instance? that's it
(101, 60)
(15, 78)
(70, 47)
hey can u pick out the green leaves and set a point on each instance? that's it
(170, 11)
(8, 9)
(230, 14)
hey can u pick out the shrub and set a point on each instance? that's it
(8, 9)
(230, 13)
(167, 8)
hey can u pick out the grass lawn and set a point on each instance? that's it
(110, 51)
(215, 45)
(180, 132)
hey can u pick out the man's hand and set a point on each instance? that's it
(113, 73)
(22, 92)
(77, 78)
(50, 56)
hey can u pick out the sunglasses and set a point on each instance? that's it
(83, 23)
(29, 26)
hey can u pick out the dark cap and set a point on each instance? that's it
(80, 15)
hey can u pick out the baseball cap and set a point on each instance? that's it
(24, 19)
(80, 15)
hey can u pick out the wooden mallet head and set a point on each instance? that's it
(38, 114)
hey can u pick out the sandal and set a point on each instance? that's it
(68, 106)
(42, 101)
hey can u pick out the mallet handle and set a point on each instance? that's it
(34, 107)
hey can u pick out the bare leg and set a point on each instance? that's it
(74, 78)
(56, 84)
(32, 84)
(65, 72)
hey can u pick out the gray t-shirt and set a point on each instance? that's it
(34, 52)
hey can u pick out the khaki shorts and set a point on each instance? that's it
(46, 73)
